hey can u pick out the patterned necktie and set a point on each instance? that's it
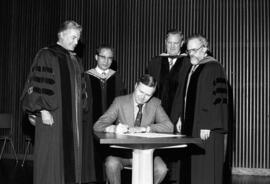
(103, 74)
(139, 116)
(171, 60)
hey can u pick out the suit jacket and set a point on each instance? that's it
(122, 110)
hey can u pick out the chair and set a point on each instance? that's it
(28, 141)
(128, 168)
(28, 129)
(6, 124)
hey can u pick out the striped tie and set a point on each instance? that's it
(139, 116)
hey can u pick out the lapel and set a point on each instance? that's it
(130, 110)
(146, 112)
(164, 64)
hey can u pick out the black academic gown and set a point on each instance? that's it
(100, 94)
(168, 80)
(54, 84)
(206, 108)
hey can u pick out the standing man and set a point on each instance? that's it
(103, 85)
(136, 112)
(169, 69)
(53, 98)
(204, 112)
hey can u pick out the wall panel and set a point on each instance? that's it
(238, 33)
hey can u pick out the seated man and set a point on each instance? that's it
(136, 112)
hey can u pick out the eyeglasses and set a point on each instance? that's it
(104, 57)
(194, 50)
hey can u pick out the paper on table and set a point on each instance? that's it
(153, 135)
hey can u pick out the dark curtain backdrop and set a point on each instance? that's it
(238, 32)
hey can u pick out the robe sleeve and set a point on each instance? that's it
(40, 89)
(213, 95)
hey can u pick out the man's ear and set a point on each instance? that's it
(63, 33)
(96, 57)
(135, 85)
(204, 49)
(182, 43)
(60, 36)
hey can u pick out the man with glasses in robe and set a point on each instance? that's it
(203, 112)
(103, 84)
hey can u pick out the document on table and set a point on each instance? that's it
(153, 135)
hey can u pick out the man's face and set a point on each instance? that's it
(173, 44)
(143, 93)
(69, 38)
(196, 51)
(104, 59)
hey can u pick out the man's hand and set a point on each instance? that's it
(110, 129)
(121, 128)
(204, 134)
(179, 125)
(32, 119)
(137, 129)
(46, 117)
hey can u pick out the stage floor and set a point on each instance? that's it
(10, 173)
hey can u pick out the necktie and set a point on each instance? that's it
(103, 74)
(171, 62)
(139, 116)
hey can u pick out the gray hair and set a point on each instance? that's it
(201, 38)
(69, 24)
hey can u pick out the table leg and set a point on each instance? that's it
(142, 166)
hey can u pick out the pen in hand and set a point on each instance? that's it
(121, 128)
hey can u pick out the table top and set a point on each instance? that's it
(143, 142)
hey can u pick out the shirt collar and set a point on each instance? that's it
(135, 103)
(101, 71)
(178, 54)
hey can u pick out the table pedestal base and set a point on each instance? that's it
(142, 166)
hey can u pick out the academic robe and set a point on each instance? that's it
(206, 107)
(100, 95)
(101, 92)
(168, 80)
(54, 84)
